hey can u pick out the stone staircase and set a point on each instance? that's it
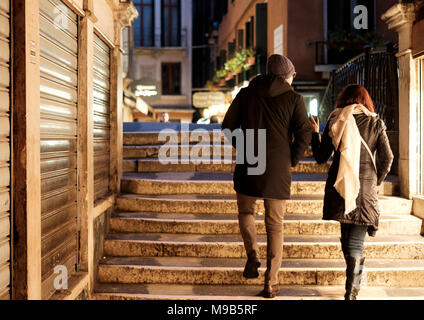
(174, 235)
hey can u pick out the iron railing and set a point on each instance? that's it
(377, 71)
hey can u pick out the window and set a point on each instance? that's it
(144, 25)
(341, 15)
(250, 33)
(171, 23)
(240, 41)
(171, 78)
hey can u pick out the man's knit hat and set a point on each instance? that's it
(280, 66)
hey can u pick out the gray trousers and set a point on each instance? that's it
(274, 218)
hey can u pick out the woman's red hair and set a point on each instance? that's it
(355, 94)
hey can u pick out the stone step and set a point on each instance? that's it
(224, 224)
(152, 139)
(115, 291)
(185, 165)
(221, 184)
(197, 271)
(140, 152)
(153, 151)
(305, 205)
(231, 246)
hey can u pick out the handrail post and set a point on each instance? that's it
(333, 88)
(390, 48)
(367, 50)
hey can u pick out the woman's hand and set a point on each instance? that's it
(314, 124)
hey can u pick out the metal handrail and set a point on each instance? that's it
(376, 71)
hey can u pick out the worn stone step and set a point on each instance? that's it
(199, 271)
(116, 291)
(224, 224)
(305, 205)
(152, 139)
(187, 165)
(231, 246)
(140, 152)
(222, 184)
(154, 151)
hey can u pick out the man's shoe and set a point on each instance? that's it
(270, 292)
(251, 268)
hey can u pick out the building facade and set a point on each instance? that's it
(318, 36)
(160, 57)
(60, 140)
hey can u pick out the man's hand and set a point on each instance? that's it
(378, 189)
(314, 124)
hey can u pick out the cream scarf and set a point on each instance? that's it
(346, 138)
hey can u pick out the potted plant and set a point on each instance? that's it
(343, 46)
(250, 58)
(230, 68)
(229, 76)
(220, 77)
(209, 85)
(238, 61)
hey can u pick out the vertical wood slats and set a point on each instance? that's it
(101, 118)
(58, 130)
(5, 174)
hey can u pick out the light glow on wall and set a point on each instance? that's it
(313, 107)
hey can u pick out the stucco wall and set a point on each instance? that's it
(105, 22)
(277, 15)
(305, 26)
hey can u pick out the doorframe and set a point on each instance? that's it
(420, 124)
(26, 147)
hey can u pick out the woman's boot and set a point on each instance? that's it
(353, 276)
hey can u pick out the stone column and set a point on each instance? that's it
(401, 17)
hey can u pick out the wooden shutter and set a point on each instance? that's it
(101, 118)
(240, 41)
(58, 129)
(248, 35)
(231, 48)
(5, 149)
(262, 35)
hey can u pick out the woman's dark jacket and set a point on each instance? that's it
(373, 131)
(270, 103)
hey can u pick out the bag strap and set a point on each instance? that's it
(369, 151)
